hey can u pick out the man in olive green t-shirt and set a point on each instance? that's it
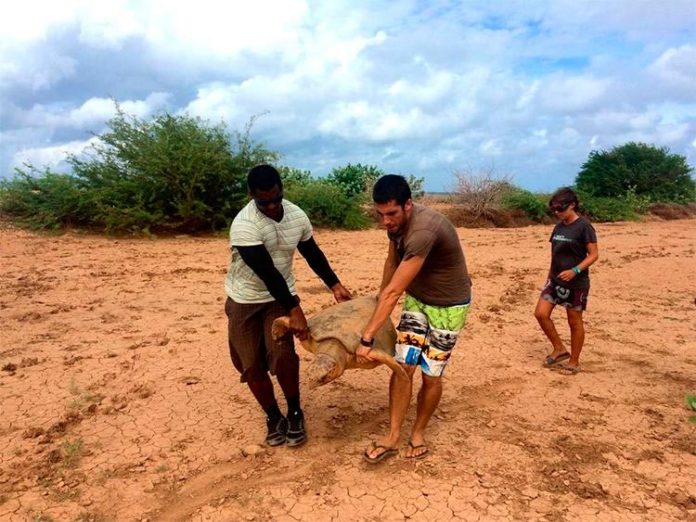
(426, 261)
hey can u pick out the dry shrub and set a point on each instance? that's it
(462, 216)
(481, 193)
(671, 211)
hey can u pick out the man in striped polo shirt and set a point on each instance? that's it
(260, 287)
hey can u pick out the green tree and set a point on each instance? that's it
(357, 180)
(354, 179)
(293, 177)
(640, 169)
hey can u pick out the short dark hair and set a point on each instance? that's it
(391, 187)
(564, 196)
(263, 177)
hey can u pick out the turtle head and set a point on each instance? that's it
(324, 369)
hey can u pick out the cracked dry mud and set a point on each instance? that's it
(119, 401)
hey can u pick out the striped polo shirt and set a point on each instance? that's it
(251, 227)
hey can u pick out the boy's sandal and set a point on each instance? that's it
(553, 361)
(567, 370)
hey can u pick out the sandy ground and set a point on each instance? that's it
(119, 401)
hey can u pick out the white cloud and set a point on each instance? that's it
(92, 114)
(491, 147)
(361, 120)
(573, 93)
(30, 20)
(411, 86)
(108, 24)
(210, 27)
(52, 156)
(675, 69)
(32, 71)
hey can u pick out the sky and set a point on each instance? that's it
(521, 89)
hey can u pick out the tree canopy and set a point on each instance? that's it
(640, 169)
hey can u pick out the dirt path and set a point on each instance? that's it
(119, 401)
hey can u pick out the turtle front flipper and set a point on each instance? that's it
(281, 326)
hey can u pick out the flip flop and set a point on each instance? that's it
(567, 370)
(414, 448)
(388, 452)
(553, 361)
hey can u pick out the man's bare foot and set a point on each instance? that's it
(416, 448)
(376, 450)
(377, 453)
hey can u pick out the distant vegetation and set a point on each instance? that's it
(179, 173)
(616, 185)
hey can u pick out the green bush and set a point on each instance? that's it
(608, 209)
(533, 205)
(173, 172)
(46, 202)
(416, 184)
(642, 169)
(293, 177)
(691, 404)
(327, 205)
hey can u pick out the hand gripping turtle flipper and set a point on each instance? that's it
(389, 361)
(281, 326)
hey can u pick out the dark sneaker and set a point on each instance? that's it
(296, 434)
(277, 430)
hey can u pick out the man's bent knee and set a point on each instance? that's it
(543, 313)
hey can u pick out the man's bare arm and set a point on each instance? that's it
(403, 275)
(390, 264)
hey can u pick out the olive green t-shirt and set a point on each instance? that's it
(443, 280)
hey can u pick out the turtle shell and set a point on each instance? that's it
(345, 322)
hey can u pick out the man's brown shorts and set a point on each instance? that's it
(252, 348)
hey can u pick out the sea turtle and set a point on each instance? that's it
(334, 335)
